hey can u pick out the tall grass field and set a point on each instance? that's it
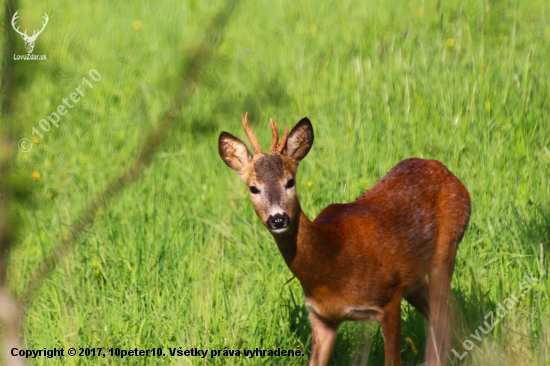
(178, 260)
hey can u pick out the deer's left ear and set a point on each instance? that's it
(234, 152)
(299, 140)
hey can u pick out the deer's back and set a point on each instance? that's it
(408, 203)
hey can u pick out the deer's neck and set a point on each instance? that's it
(298, 244)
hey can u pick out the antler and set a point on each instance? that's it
(250, 134)
(275, 139)
(43, 26)
(13, 19)
(275, 134)
(24, 34)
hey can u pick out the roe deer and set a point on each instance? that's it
(358, 260)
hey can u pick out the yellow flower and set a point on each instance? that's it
(313, 28)
(411, 344)
(35, 175)
(136, 24)
(35, 140)
(309, 184)
(450, 42)
(487, 106)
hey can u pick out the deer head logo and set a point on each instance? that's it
(29, 41)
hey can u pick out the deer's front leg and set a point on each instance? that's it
(322, 340)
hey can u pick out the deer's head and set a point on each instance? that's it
(270, 177)
(29, 40)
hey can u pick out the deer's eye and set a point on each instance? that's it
(290, 183)
(254, 190)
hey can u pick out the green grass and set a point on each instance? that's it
(180, 259)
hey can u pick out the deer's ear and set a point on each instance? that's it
(299, 140)
(234, 152)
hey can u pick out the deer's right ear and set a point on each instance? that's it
(234, 152)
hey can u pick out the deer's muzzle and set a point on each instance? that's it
(278, 221)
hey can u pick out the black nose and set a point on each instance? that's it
(278, 221)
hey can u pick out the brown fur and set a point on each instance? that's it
(358, 260)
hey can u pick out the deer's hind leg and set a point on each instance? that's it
(439, 278)
(391, 329)
(419, 299)
(438, 333)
